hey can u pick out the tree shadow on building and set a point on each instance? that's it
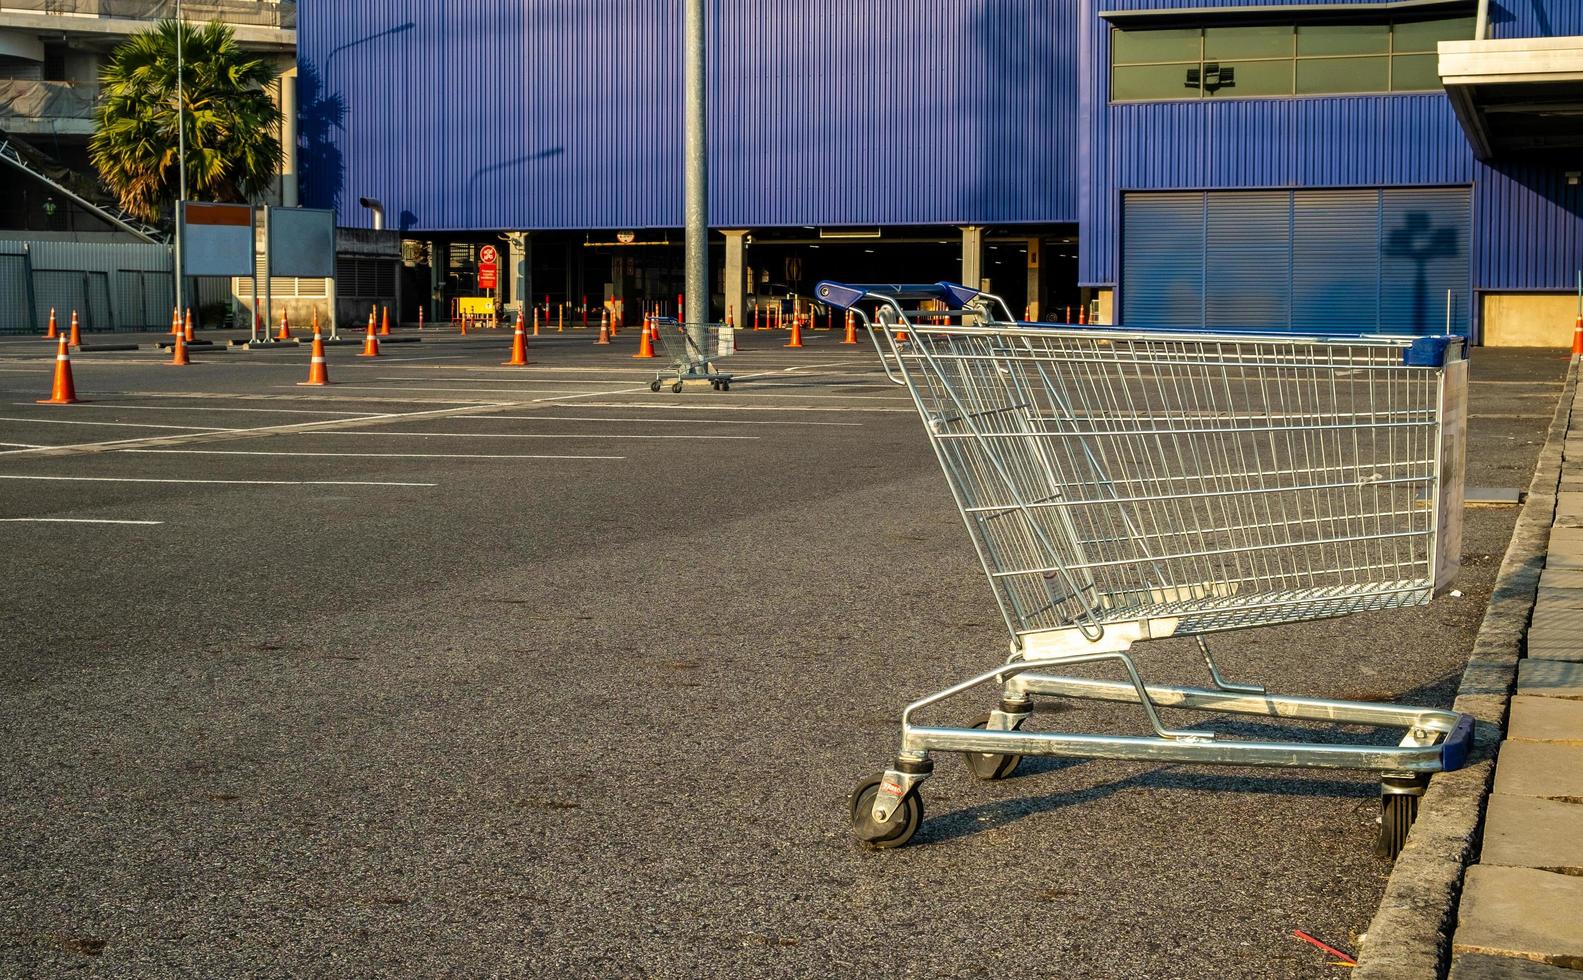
(321, 117)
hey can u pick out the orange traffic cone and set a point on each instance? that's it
(1082, 314)
(258, 321)
(851, 329)
(645, 341)
(420, 318)
(1577, 334)
(535, 321)
(318, 367)
(284, 333)
(187, 327)
(796, 332)
(371, 341)
(604, 329)
(384, 322)
(178, 351)
(51, 333)
(175, 320)
(64, 391)
(76, 331)
(519, 346)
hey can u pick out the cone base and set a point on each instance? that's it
(513, 363)
(794, 346)
(68, 401)
(314, 384)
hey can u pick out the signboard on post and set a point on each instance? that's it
(488, 268)
(217, 239)
(302, 242)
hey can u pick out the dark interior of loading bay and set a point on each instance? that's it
(644, 268)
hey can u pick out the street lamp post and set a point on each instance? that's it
(181, 164)
(695, 185)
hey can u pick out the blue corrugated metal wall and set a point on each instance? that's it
(1527, 223)
(481, 114)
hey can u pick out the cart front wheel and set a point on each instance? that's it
(895, 832)
(725, 386)
(1397, 813)
(654, 385)
(990, 766)
(676, 388)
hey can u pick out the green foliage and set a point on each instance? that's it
(232, 152)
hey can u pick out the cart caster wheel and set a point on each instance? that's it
(715, 385)
(894, 833)
(676, 388)
(1397, 813)
(725, 386)
(990, 766)
(654, 386)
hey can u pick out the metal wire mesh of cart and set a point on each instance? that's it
(1218, 481)
(685, 353)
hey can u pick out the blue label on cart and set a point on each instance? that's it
(1433, 351)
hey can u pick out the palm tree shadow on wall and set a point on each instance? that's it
(320, 116)
(1419, 241)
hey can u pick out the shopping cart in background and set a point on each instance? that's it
(689, 360)
(1125, 486)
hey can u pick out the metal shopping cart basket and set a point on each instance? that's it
(1123, 486)
(689, 360)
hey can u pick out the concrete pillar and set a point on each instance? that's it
(439, 265)
(736, 290)
(973, 256)
(1035, 280)
(288, 139)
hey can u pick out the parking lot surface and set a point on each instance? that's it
(455, 668)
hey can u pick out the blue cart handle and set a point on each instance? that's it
(845, 296)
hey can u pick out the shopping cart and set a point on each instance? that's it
(689, 360)
(1123, 486)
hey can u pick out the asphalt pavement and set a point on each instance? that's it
(461, 669)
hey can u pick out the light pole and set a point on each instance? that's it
(695, 184)
(181, 165)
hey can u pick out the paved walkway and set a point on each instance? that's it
(1521, 913)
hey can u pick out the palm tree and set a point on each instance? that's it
(232, 151)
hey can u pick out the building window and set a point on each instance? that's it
(1245, 61)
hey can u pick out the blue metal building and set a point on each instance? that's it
(1345, 165)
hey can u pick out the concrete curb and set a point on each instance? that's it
(1410, 935)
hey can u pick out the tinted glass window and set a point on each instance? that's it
(1320, 75)
(1415, 72)
(1223, 43)
(1323, 39)
(1423, 35)
(1249, 78)
(1153, 82)
(1133, 47)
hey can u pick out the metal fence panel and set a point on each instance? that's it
(62, 290)
(100, 315)
(17, 315)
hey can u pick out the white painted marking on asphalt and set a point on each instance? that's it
(205, 408)
(67, 520)
(254, 452)
(24, 445)
(245, 483)
(392, 389)
(122, 425)
(532, 381)
(716, 406)
(651, 421)
(521, 435)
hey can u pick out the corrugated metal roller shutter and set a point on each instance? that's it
(1335, 262)
(1247, 261)
(1424, 246)
(1164, 264)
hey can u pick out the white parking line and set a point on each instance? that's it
(24, 445)
(650, 421)
(67, 520)
(206, 408)
(532, 381)
(255, 452)
(244, 483)
(123, 425)
(392, 389)
(521, 435)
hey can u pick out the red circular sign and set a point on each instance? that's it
(486, 255)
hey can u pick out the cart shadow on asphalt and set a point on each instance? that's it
(993, 814)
